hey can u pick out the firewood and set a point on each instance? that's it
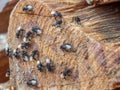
(91, 51)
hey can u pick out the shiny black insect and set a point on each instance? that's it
(32, 82)
(28, 36)
(36, 30)
(28, 8)
(8, 51)
(39, 66)
(56, 14)
(76, 19)
(65, 73)
(25, 56)
(19, 32)
(57, 23)
(48, 65)
(16, 53)
(7, 73)
(34, 55)
(24, 45)
(66, 47)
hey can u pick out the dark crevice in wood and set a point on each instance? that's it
(33, 14)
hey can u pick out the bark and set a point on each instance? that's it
(102, 1)
(6, 7)
(95, 61)
(4, 61)
(4, 65)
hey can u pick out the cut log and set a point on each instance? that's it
(95, 56)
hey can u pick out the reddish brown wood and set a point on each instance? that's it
(4, 65)
(5, 10)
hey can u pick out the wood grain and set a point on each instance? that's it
(96, 61)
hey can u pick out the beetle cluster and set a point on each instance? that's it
(21, 51)
(48, 65)
(58, 18)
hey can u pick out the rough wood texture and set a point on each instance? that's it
(102, 1)
(96, 61)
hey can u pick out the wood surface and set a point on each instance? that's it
(103, 1)
(96, 61)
